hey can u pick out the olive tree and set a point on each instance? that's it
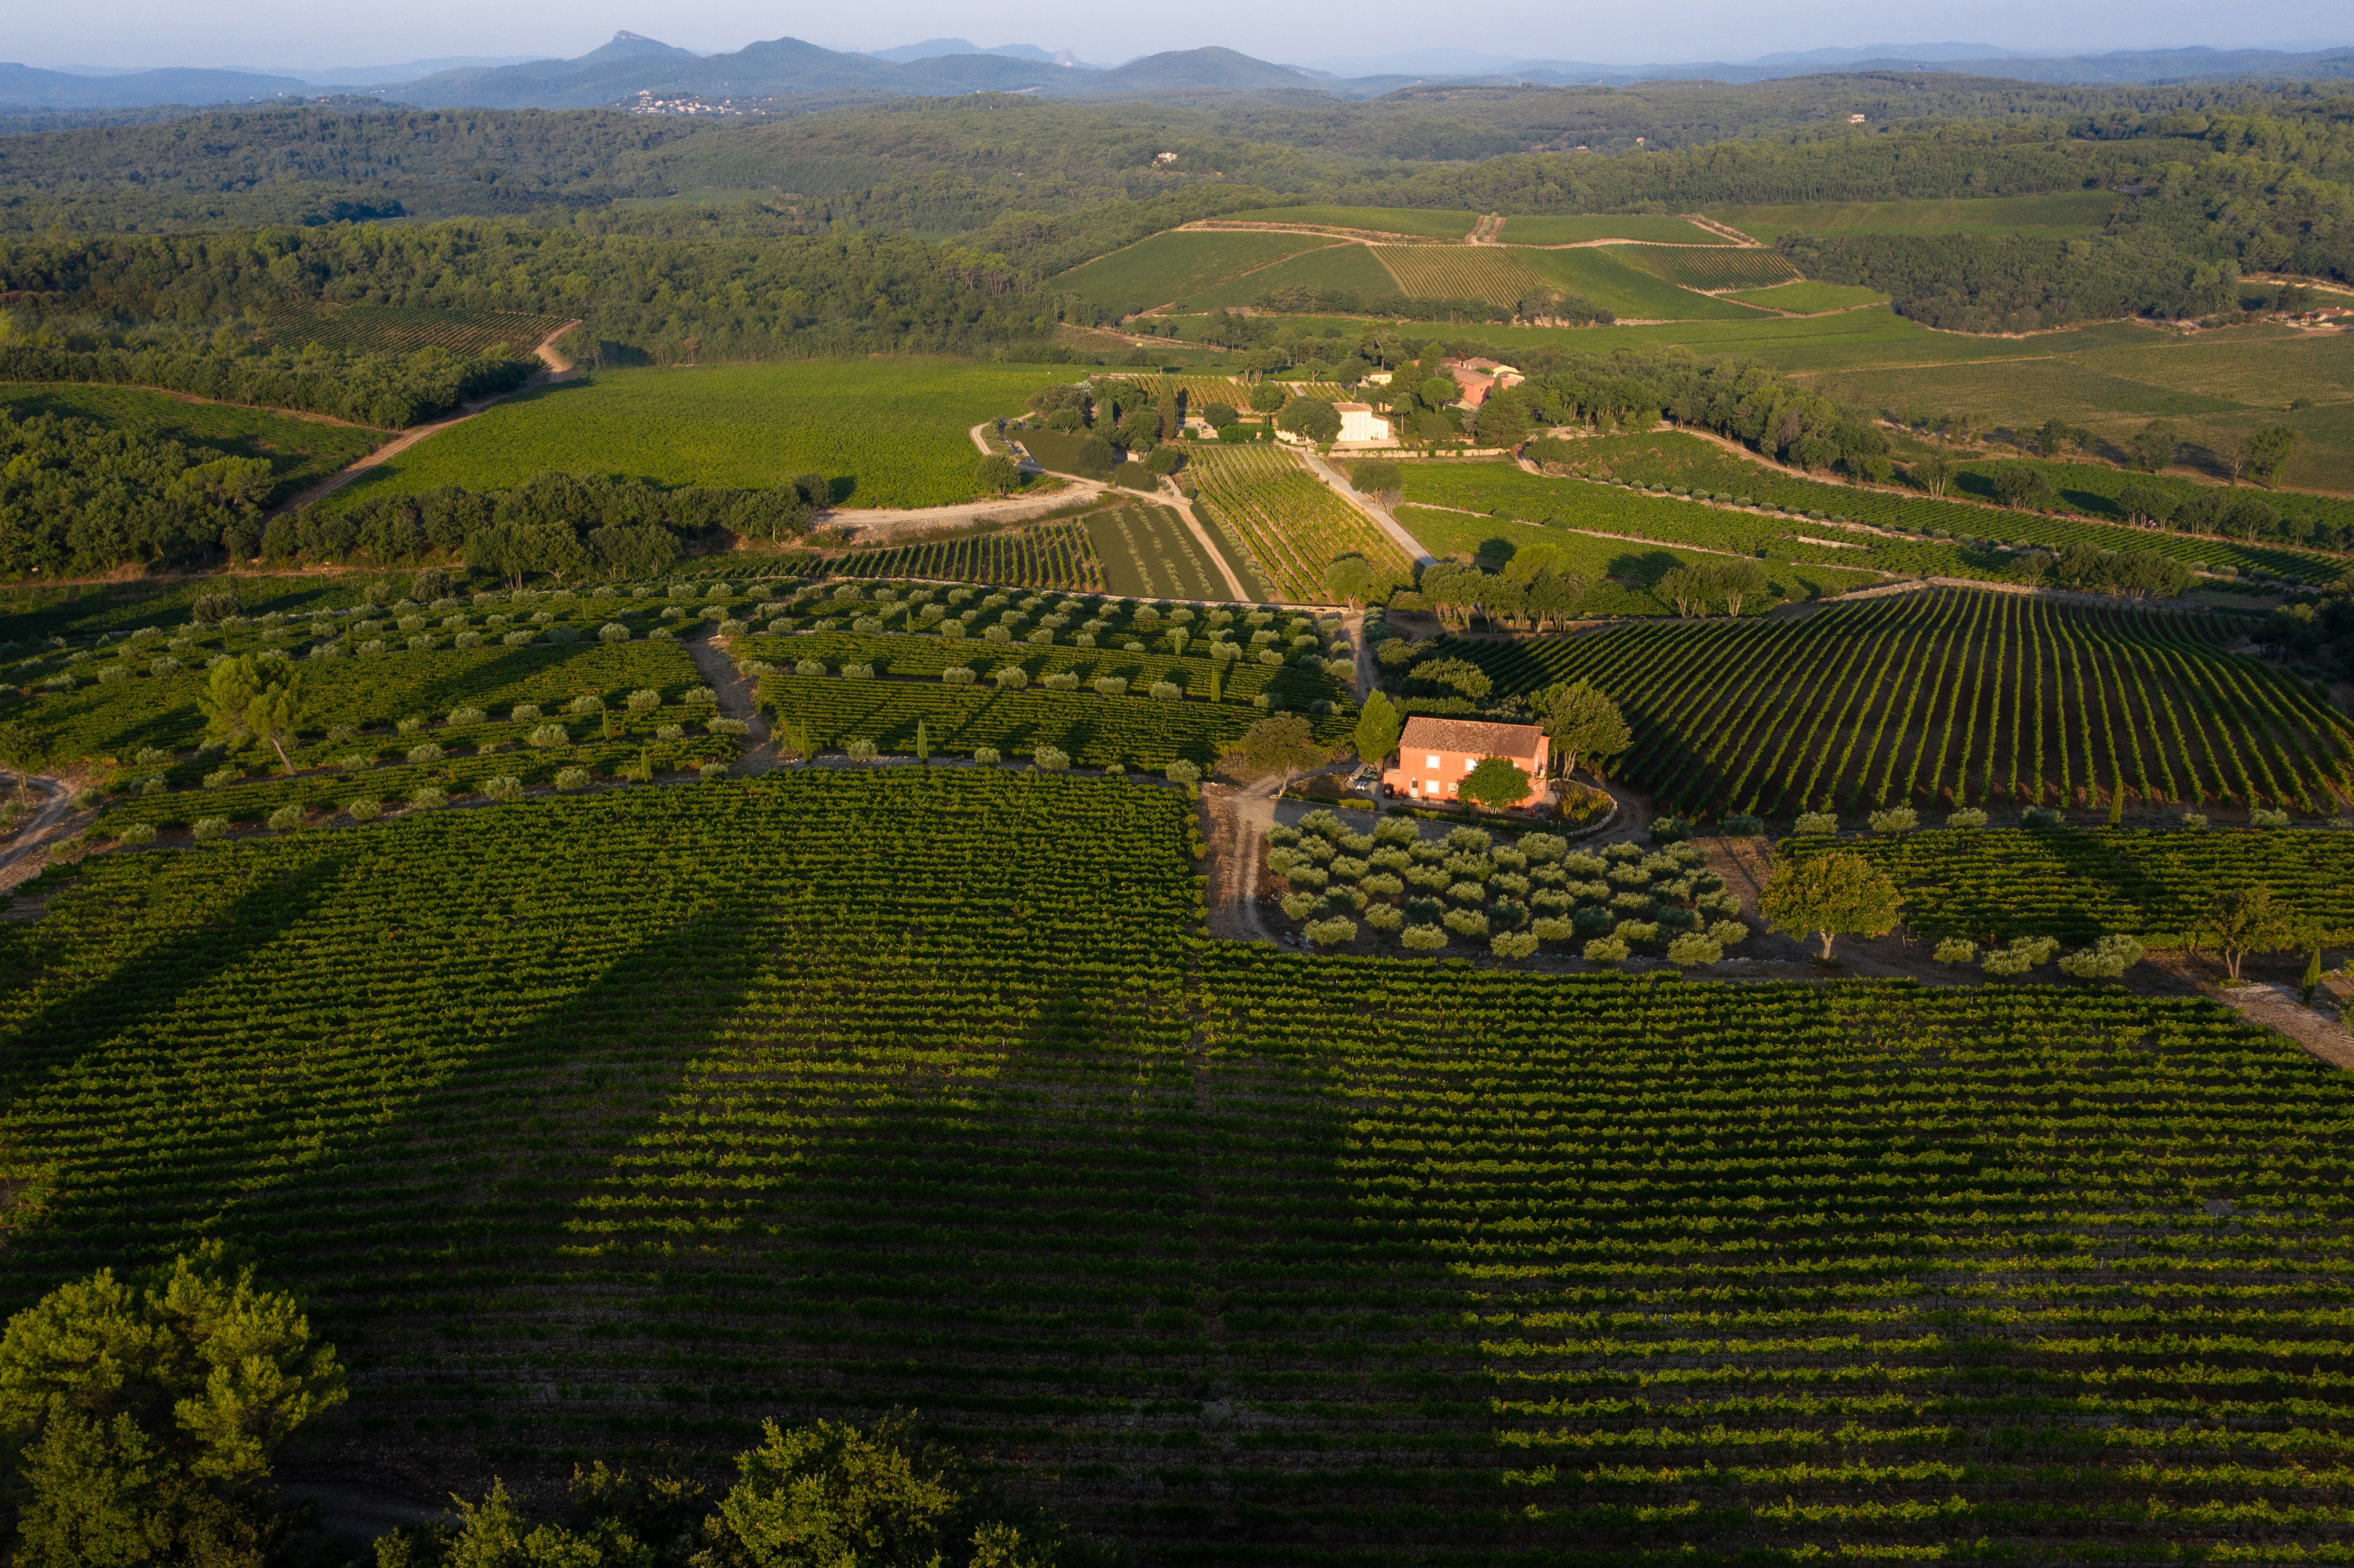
(1831, 896)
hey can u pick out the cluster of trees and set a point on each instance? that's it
(1136, 420)
(1534, 589)
(79, 496)
(1698, 590)
(391, 391)
(2128, 574)
(666, 301)
(144, 1418)
(565, 526)
(2011, 283)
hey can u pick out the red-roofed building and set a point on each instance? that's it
(1435, 754)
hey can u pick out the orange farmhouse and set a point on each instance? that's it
(1435, 754)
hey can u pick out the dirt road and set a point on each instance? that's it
(738, 699)
(557, 370)
(1373, 510)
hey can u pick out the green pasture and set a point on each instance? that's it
(1808, 297)
(887, 432)
(1381, 219)
(1578, 228)
(1342, 266)
(1171, 265)
(2062, 215)
(1603, 277)
(300, 451)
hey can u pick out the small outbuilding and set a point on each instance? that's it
(1360, 423)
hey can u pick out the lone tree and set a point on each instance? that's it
(1494, 783)
(2244, 920)
(998, 472)
(1280, 743)
(1352, 581)
(1829, 895)
(1313, 417)
(144, 1415)
(1582, 723)
(245, 699)
(1379, 478)
(1736, 581)
(1379, 725)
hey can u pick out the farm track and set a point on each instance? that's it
(738, 700)
(1373, 510)
(20, 862)
(900, 525)
(557, 370)
(1175, 498)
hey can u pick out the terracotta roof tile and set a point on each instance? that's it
(1475, 738)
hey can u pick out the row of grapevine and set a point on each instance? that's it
(1995, 884)
(396, 329)
(1953, 697)
(1290, 521)
(1054, 555)
(1487, 272)
(1711, 267)
(607, 1127)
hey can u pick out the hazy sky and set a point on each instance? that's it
(307, 33)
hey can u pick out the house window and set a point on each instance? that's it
(1430, 762)
(1468, 765)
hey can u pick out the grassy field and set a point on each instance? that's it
(1169, 266)
(2064, 215)
(1619, 573)
(1725, 266)
(1808, 297)
(1604, 276)
(1320, 266)
(1380, 219)
(887, 432)
(300, 451)
(1149, 553)
(1575, 228)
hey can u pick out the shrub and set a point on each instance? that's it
(1957, 951)
(1728, 933)
(430, 798)
(1112, 685)
(1896, 820)
(571, 778)
(959, 676)
(1423, 938)
(1670, 830)
(83, 799)
(701, 696)
(517, 639)
(424, 753)
(364, 810)
(2020, 956)
(858, 671)
(729, 727)
(585, 703)
(549, 734)
(1332, 932)
(1741, 825)
(285, 820)
(612, 632)
(640, 701)
(859, 751)
(503, 788)
(1815, 822)
(1047, 760)
(1011, 677)
(670, 732)
(1465, 922)
(987, 754)
(808, 667)
(2038, 817)
(1183, 772)
(210, 827)
(523, 713)
(1965, 817)
(1166, 690)
(1513, 944)
(1385, 917)
(2106, 958)
(1608, 950)
(137, 833)
(465, 716)
(2261, 818)
(468, 640)
(1692, 950)
(2194, 818)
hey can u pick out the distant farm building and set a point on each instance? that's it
(1360, 423)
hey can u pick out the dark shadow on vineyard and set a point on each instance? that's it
(85, 1214)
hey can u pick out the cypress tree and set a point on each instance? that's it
(923, 742)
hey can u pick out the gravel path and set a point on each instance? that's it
(738, 699)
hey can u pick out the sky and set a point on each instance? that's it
(307, 34)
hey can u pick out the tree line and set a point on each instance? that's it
(390, 391)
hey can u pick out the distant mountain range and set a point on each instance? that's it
(633, 68)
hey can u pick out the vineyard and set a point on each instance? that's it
(394, 329)
(1711, 269)
(1997, 884)
(1487, 272)
(1053, 555)
(912, 1090)
(1148, 553)
(1947, 696)
(924, 658)
(1688, 462)
(1288, 521)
